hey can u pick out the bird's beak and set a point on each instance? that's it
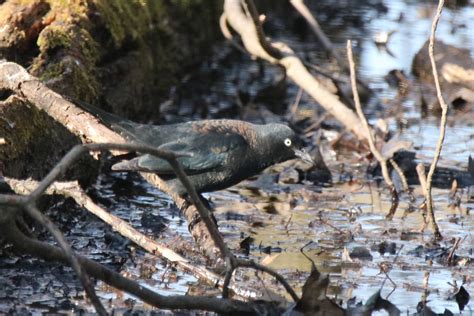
(303, 155)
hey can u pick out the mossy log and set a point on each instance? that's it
(123, 53)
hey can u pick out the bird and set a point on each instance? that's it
(220, 152)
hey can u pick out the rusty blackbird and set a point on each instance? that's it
(223, 152)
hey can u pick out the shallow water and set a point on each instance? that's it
(284, 218)
(361, 208)
(369, 228)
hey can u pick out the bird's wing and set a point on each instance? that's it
(210, 152)
(154, 135)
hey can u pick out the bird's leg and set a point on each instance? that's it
(196, 218)
(206, 203)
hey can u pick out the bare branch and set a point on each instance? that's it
(313, 23)
(72, 189)
(368, 132)
(187, 302)
(256, 45)
(420, 169)
(442, 127)
(449, 259)
(380, 158)
(399, 171)
(74, 153)
(253, 265)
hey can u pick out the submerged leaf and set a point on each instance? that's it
(314, 300)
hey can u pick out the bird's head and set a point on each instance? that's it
(282, 142)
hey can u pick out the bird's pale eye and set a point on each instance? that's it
(287, 142)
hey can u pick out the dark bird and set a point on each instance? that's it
(223, 152)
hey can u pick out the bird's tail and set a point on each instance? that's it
(105, 117)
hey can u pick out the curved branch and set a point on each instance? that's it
(84, 125)
(279, 277)
(442, 124)
(258, 46)
(51, 253)
(72, 189)
(313, 23)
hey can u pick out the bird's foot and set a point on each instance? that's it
(196, 217)
(194, 221)
(188, 202)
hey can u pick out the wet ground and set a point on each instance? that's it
(347, 217)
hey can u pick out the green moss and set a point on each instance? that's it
(166, 35)
(69, 52)
(28, 122)
(135, 19)
(54, 36)
(127, 18)
(52, 70)
(68, 10)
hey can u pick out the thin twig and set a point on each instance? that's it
(288, 223)
(281, 279)
(171, 157)
(449, 260)
(72, 189)
(325, 73)
(230, 265)
(294, 106)
(115, 279)
(360, 113)
(442, 127)
(313, 265)
(381, 159)
(313, 23)
(420, 170)
(325, 222)
(400, 173)
(426, 281)
(394, 203)
(393, 262)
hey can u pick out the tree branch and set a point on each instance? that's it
(256, 45)
(442, 124)
(187, 302)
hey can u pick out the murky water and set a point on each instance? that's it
(283, 218)
(348, 216)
